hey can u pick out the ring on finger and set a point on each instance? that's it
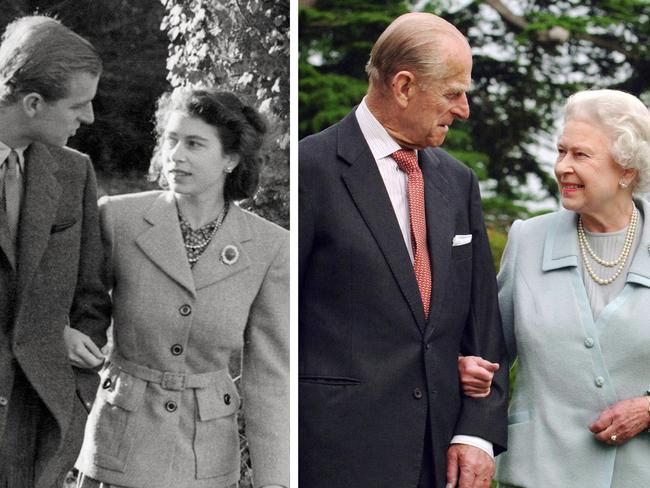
(613, 437)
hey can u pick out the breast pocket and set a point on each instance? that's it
(461, 252)
(216, 443)
(113, 422)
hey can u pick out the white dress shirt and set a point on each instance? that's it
(382, 145)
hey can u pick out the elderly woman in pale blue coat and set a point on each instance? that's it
(194, 280)
(575, 300)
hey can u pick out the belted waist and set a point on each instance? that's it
(166, 379)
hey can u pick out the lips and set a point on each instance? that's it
(571, 187)
(178, 172)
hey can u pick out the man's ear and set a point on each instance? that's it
(32, 104)
(403, 87)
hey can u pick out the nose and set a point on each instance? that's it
(461, 109)
(563, 165)
(176, 153)
(87, 116)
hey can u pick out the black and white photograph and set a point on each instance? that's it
(144, 244)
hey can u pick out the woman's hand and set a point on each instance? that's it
(82, 351)
(622, 421)
(476, 375)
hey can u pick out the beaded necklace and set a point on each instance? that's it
(620, 261)
(196, 241)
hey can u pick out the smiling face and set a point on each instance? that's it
(193, 157)
(55, 122)
(586, 172)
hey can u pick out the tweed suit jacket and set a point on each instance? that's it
(55, 280)
(181, 320)
(371, 369)
(571, 367)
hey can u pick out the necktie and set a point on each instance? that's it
(407, 161)
(11, 191)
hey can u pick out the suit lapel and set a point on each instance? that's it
(440, 227)
(163, 244)
(368, 191)
(42, 192)
(227, 241)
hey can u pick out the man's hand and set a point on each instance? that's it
(476, 467)
(622, 421)
(82, 351)
(476, 375)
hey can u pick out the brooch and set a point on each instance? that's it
(229, 254)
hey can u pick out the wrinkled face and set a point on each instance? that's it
(586, 172)
(436, 104)
(55, 122)
(193, 157)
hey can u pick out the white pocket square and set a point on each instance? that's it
(461, 239)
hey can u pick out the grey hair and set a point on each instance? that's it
(415, 42)
(627, 121)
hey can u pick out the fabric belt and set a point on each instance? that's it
(167, 379)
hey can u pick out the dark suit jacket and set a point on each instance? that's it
(56, 279)
(370, 367)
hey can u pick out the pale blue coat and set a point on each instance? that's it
(570, 367)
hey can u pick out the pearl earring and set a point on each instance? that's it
(227, 170)
(623, 184)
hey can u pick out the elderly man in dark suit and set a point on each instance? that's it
(396, 281)
(50, 251)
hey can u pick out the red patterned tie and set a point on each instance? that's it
(407, 161)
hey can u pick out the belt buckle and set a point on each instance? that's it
(173, 381)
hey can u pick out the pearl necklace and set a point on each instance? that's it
(620, 260)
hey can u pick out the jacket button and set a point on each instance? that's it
(226, 399)
(3, 401)
(185, 310)
(177, 349)
(589, 343)
(417, 394)
(599, 381)
(107, 384)
(171, 406)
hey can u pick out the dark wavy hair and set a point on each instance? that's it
(39, 54)
(240, 128)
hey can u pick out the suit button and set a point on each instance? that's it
(107, 384)
(226, 399)
(185, 310)
(417, 394)
(3, 401)
(171, 406)
(599, 381)
(589, 343)
(177, 349)
(427, 346)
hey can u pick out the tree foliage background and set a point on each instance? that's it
(529, 55)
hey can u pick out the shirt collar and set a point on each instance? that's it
(4, 154)
(381, 144)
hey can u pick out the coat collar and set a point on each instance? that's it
(561, 245)
(162, 242)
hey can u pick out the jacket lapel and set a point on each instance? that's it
(163, 244)
(42, 192)
(225, 247)
(440, 227)
(368, 191)
(561, 243)
(639, 271)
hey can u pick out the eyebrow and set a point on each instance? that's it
(186, 136)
